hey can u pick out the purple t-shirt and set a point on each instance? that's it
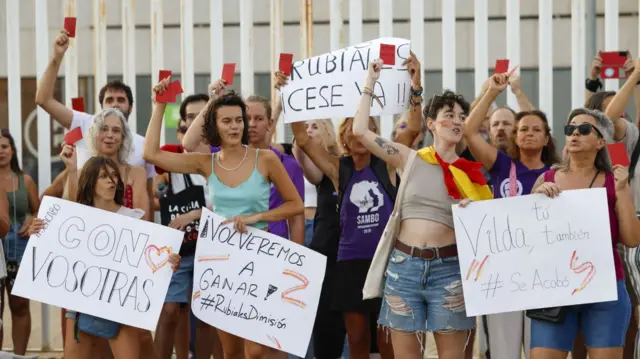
(295, 173)
(364, 213)
(525, 177)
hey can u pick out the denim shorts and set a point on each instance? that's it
(181, 282)
(91, 325)
(308, 231)
(14, 245)
(423, 295)
(603, 325)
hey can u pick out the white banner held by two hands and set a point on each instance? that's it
(330, 85)
(256, 285)
(100, 263)
(530, 252)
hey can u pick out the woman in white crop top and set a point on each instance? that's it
(415, 302)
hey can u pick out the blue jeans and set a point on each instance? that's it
(603, 325)
(181, 282)
(423, 295)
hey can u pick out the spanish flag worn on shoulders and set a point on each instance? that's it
(463, 178)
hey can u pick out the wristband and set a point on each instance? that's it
(593, 85)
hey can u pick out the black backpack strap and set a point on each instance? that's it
(345, 172)
(187, 180)
(379, 168)
(634, 160)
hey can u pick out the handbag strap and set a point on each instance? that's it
(187, 181)
(404, 179)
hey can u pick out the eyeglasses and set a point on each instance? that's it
(583, 129)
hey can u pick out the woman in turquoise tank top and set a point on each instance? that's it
(22, 195)
(239, 179)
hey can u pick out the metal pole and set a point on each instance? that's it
(276, 48)
(590, 33)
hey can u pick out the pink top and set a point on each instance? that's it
(609, 184)
(128, 196)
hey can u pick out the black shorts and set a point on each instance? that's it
(350, 278)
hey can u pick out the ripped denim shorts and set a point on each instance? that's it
(423, 295)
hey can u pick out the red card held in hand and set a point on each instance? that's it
(169, 96)
(70, 26)
(612, 62)
(286, 62)
(73, 136)
(228, 71)
(501, 67)
(164, 74)
(388, 54)
(77, 104)
(618, 154)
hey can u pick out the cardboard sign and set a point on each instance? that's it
(330, 85)
(530, 252)
(256, 285)
(101, 263)
(228, 71)
(70, 26)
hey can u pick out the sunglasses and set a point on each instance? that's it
(583, 129)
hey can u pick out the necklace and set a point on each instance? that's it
(246, 150)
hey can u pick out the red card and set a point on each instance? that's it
(77, 104)
(169, 96)
(228, 71)
(73, 136)
(501, 67)
(164, 74)
(618, 154)
(612, 62)
(388, 54)
(286, 63)
(70, 26)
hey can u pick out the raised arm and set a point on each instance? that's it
(625, 209)
(311, 172)
(69, 157)
(521, 97)
(480, 149)
(196, 163)
(194, 140)
(616, 107)
(140, 193)
(326, 162)
(414, 118)
(395, 154)
(56, 189)
(45, 91)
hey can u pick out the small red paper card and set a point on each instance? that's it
(286, 63)
(228, 71)
(612, 62)
(73, 136)
(77, 104)
(169, 96)
(501, 67)
(618, 154)
(70, 26)
(164, 74)
(388, 54)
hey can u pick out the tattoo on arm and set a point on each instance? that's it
(384, 144)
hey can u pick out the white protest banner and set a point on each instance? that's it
(256, 285)
(100, 263)
(330, 85)
(532, 251)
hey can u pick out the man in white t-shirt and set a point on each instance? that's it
(114, 94)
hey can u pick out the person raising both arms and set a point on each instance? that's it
(239, 179)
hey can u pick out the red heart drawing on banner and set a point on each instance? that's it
(155, 259)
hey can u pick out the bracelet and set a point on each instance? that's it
(593, 85)
(368, 91)
(414, 103)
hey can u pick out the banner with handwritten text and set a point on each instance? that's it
(256, 285)
(330, 85)
(532, 252)
(100, 263)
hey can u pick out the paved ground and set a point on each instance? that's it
(35, 342)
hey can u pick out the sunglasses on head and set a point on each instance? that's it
(583, 129)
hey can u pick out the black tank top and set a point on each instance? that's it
(326, 232)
